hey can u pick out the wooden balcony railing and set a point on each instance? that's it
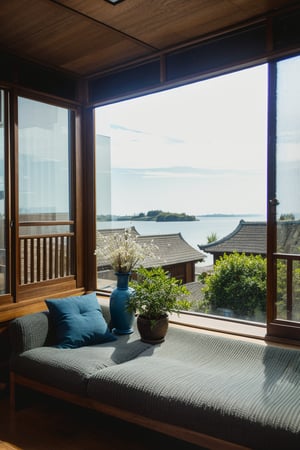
(289, 260)
(45, 257)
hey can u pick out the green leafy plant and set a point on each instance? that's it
(156, 293)
(238, 283)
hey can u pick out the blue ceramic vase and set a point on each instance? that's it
(121, 319)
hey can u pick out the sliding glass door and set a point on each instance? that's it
(285, 257)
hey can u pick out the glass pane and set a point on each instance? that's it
(44, 192)
(2, 199)
(190, 161)
(288, 188)
(43, 162)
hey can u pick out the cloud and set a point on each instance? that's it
(126, 129)
(182, 172)
(145, 134)
(197, 148)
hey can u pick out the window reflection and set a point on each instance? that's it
(46, 235)
(43, 161)
(288, 189)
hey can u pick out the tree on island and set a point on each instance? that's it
(158, 215)
(154, 213)
(287, 216)
(161, 216)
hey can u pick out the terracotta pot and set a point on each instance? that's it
(153, 331)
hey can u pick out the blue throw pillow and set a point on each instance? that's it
(78, 321)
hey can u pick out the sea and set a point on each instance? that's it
(194, 233)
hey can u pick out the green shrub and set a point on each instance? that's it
(238, 283)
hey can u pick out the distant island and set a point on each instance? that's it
(228, 215)
(153, 216)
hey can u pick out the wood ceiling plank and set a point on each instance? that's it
(64, 39)
(103, 59)
(86, 36)
(166, 23)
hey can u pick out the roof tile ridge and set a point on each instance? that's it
(225, 238)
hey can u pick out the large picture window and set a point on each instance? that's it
(188, 164)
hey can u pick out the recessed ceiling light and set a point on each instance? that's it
(114, 2)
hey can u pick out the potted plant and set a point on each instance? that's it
(155, 295)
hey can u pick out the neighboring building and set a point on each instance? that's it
(251, 238)
(174, 254)
(248, 238)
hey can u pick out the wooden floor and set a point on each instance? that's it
(48, 424)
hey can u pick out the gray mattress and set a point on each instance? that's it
(234, 390)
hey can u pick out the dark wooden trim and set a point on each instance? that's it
(15, 254)
(89, 196)
(37, 78)
(178, 432)
(45, 97)
(8, 193)
(283, 331)
(76, 186)
(46, 223)
(35, 303)
(44, 289)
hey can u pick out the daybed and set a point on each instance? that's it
(220, 393)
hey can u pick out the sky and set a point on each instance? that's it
(198, 149)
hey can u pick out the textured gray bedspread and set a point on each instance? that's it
(35, 357)
(235, 390)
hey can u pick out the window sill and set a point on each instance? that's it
(213, 324)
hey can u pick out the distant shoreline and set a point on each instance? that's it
(151, 216)
(227, 215)
(168, 217)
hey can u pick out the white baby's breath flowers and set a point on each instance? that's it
(122, 250)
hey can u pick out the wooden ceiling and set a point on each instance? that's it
(87, 37)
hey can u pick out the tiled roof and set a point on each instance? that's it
(251, 237)
(172, 249)
(248, 237)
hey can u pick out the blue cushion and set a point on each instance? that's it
(78, 321)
